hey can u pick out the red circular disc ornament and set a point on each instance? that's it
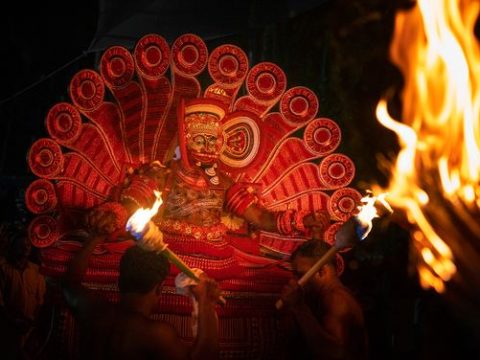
(322, 136)
(43, 231)
(87, 90)
(64, 123)
(117, 66)
(152, 56)
(266, 81)
(344, 203)
(299, 105)
(40, 196)
(228, 65)
(336, 171)
(189, 54)
(45, 158)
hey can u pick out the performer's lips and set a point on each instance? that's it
(205, 158)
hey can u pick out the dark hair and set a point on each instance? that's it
(313, 249)
(141, 270)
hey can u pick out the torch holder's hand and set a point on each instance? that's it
(152, 239)
(200, 286)
(292, 294)
(207, 290)
(312, 271)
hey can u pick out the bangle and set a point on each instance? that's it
(285, 222)
(239, 197)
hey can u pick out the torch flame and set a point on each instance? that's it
(438, 166)
(368, 211)
(140, 218)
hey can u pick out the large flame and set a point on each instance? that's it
(438, 165)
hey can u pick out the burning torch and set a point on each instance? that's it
(360, 224)
(150, 238)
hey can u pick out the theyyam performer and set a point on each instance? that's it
(243, 178)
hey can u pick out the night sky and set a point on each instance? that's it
(319, 48)
(37, 43)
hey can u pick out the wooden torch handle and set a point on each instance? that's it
(312, 271)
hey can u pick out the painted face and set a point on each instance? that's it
(204, 148)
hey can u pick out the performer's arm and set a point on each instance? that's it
(242, 201)
(79, 298)
(138, 192)
(168, 344)
(207, 294)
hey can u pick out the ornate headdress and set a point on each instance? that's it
(202, 123)
(290, 153)
(203, 114)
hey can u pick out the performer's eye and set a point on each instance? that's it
(199, 140)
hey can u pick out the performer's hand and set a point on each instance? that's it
(100, 222)
(206, 290)
(318, 222)
(292, 293)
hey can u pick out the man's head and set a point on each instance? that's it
(306, 255)
(202, 130)
(141, 270)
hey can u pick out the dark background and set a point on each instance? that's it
(339, 49)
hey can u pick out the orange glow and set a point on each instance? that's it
(140, 218)
(368, 211)
(435, 48)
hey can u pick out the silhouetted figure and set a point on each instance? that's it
(322, 320)
(22, 292)
(125, 330)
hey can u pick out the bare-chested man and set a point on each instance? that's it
(125, 330)
(323, 320)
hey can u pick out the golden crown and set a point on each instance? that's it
(204, 123)
(203, 116)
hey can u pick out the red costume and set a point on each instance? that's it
(117, 141)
